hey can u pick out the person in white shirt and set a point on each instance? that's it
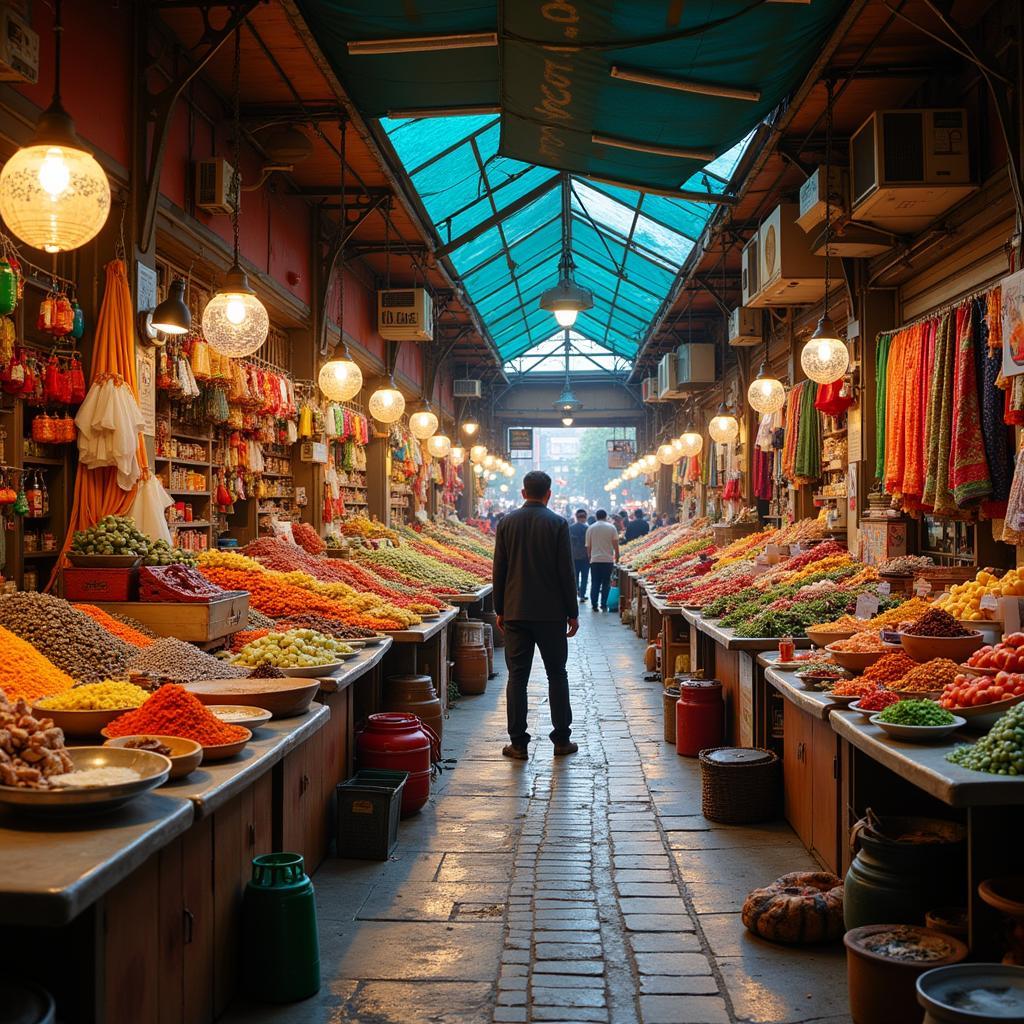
(603, 550)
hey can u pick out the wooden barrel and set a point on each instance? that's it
(470, 655)
(415, 695)
(498, 636)
(468, 633)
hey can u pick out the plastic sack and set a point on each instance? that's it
(148, 508)
(613, 599)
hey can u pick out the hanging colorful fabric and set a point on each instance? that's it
(305, 422)
(8, 287)
(44, 321)
(63, 317)
(51, 380)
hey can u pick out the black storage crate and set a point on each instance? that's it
(369, 805)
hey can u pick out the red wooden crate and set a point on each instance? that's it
(90, 585)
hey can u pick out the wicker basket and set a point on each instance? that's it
(740, 789)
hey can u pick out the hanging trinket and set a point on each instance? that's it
(63, 316)
(47, 311)
(78, 321)
(8, 287)
(20, 507)
(77, 381)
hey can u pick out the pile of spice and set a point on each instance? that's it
(844, 624)
(339, 630)
(115, 627)
(853, 687)
(109, 695)
(140, 627)
(25, 673)
(91, 778)
(916, 712)
(173, 711)
(905, 612)
(150, 743)
(877, 700)
(936, 622)
(308, 539)
(70, 639)
(33, 749)
(905, 565)
(169, 658)
(866, 642)
(927, 677)
(890, 668)
(257, 620)
(267, 671)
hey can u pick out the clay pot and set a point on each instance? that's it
(882, 989)
(1006, 895)
(414, 695)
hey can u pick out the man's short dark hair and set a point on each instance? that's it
(600, 514)
(638, 513)
(581, 512)
(536, 484)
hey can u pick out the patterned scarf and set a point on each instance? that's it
(968, 467)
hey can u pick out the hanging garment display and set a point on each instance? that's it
(969, 474)
(109, 423)
(939, 421)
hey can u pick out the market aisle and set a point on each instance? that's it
(584, 889)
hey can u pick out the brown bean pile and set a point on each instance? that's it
(257, 620)
(339, 630)
(70, 639)
(180, 662)
(936, 622)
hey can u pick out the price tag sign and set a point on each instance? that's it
(989, 603)
(867, 606)
(1011, 614)
(772, 550)
(922, 588)
(884, 589)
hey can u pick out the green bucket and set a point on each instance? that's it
(281, 945)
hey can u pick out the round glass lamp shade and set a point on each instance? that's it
(457, 455)
(667, 454)
(567, 421)
(477, 453)
(423, 424)
(650, 461)
(489, 461)
(235, 322)
(566, 317)
(479, 470)
(825, 359)
(340, 380)
(470, 427)
(509, 471)
(387, 405)
(54, 197)
(766, 395)
(723, 428)
(439, 445)
(692, 443)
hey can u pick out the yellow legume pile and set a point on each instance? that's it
(110, 695)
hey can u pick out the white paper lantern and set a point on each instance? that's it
(387, 405)
(825, 359)
(723, 428)
(457, 455)
(340, 379)
(439, 445)
(477, 453)
(691, 442)
(423, 424)
(766, 395)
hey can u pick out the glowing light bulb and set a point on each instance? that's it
(54, 173)
(457, 455)
(723, 428)
(691, 443)
(667, 454)
(825, 359)
(566, 317)
(766, 395)
(479, 470)
(235, 309)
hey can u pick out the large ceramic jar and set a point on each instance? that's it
(397, 742)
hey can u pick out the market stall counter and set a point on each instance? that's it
(419, 649)
(674, 630)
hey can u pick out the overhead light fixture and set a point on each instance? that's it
(457, 455)
(766, 394)
(479, 470)
(567, 421)
(53, 193)
(654, 148)
(727, 92)
(667, 454)
(340, 379)
(509, 471)
(235, 322)
(439, 445)
(567, 299)
(691, 443)
(825, 358)
(423, 424)
(650, 462)
(421, 44)
(489, 461)
(470, 427)
(477, 453)
(724, 427)
(172, 316)
(387, 404)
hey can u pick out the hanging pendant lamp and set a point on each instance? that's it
(457, 455)
(766, 394)
(172, 316)
(423, 424)
(53, 193)
(439, 445)
(724, 427)
(567, 403)
(477, 453)
(340, 379)
(567, 299)
(667, 454)
(387, 404)
(235, 322)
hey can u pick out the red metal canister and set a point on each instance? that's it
(700, 716)
(398, 742)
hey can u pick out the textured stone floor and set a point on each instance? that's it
(587, 888)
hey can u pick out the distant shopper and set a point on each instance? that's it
(637, 526)
(603, 549)
(658, 523)
(580, 558)
(535, 601)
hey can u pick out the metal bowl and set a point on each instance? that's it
(152, 768)
(314, 671)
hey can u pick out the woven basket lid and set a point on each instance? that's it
(738, 755)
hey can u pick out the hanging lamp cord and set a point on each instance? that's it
(829, 85)
(236, 141)
(58, 36)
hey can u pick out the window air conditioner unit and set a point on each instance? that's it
(466, 388)
(695, 366)
(649, 389)
(405, 314)
(748, 273)
(745, 327)
(812, 198)
(19, 49)
(213, 185)
(908, 167)
(789, 274)
(667, 386)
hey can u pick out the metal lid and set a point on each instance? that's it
(25, 1003)
(739, 755)
(698, 684)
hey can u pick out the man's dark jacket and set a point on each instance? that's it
(534, 579)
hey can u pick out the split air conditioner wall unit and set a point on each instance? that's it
(908, 167)
(213, 185)
(19, 49)
(812, 197)
(749, 281)
(695, 365)
(405, 314)
(789, 274)
(745, 327)
(649, 390)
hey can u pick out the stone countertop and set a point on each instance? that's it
(813, 702)
(52, 869)
(477, 595)
(355, 668)
(925, 764)
(425, 631)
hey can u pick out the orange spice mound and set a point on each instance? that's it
(119, 629)
(866, 642)
(173, 711)
(24, 672)
(890, 668)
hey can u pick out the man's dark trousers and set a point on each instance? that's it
(582, 567)
(600, 583)
(520, 640)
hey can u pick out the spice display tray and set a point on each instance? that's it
(193, 621)
(283, 698)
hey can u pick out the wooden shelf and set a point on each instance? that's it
(191, 494)
(39, 460)
(194, 525)
(182, 462)
(40, 554)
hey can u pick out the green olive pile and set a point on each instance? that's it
(916, 712)
(1000, 751)
(294, 648)
(118, 535)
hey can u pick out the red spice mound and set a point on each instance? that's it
(306, 537)
(173, 711)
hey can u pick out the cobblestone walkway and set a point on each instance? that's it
(587, 888)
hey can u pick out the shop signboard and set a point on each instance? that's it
(1012, 288)
(520, 439)
(621, 452)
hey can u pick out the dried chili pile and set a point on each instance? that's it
(173, 711)
(115, 627)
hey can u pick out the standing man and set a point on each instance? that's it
(580, 558)
(603, 549)
(535, 600)
(637, 526)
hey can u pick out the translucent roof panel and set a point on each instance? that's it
(585, 356)
(500, 222)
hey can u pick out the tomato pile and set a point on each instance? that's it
(1007, 656)
(975, 691)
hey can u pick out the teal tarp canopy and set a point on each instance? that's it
(551, 73)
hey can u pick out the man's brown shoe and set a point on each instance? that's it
(517, 753)
(561, 749)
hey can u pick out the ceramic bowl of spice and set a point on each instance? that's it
(936, 634)
(240, 714)
(185, 755)
(85, 710)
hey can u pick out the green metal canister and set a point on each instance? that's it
(281, 945)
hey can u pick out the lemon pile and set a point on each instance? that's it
(963, 601)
